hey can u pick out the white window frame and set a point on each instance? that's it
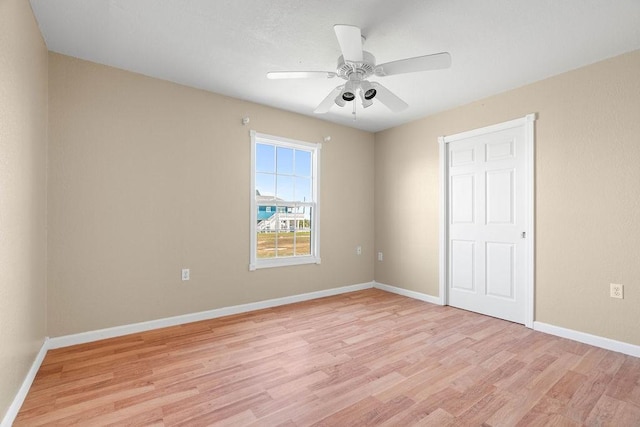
(314, 258)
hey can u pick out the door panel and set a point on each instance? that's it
(500, 269)
(462, 258)
(462, 156)
(462, 201)
(500, 196)
(499, 149)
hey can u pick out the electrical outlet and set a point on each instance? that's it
(185, 274)
(358, 250)
(380, 256)
(616, 290)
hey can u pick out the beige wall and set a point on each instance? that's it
(587, 194)
(147, 177)
(23, 149)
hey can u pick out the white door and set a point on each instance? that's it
(488, 217)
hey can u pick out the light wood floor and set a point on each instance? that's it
(364, 358)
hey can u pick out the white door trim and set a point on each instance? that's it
(528, 123)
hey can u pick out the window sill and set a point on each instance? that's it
(283, 262)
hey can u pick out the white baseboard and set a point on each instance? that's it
(117, 331)
(407, 293)
(583, 337)
(18, 400)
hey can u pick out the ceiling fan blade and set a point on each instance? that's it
(273, 75)
(388, 98)
(328, 102)
(350, 40)
(437, 61)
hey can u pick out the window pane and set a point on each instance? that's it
(303, 231)
(285, 243)
(284, 160)
(303, 163)
(305, 218)
(285, 188)
(264, 213)
(265, 184)
(303, 243)
(303, 189)
(266, 236)
(266, 245)
(265, 158)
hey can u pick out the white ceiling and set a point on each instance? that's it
(228, 46)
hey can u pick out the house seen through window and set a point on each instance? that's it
(284, 207)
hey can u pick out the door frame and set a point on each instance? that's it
(529, 129)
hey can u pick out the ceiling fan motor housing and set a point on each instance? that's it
(356, 70)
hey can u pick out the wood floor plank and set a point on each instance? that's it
(439, 418)
(362, 358)
(546, 413)
(483, 409)
(565, 388)
(587, 396)
(627, 414)
(349, 415)
(604, 411)
(334, 402)
(626, 384)
(421, 410)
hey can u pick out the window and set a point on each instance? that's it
(284, 202)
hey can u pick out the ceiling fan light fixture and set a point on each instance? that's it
(340, 102)
(366, 102)
(368, 91)
(349, 92)
(348, 96)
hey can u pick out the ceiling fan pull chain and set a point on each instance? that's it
(354, 110)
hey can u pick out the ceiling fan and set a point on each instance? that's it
(356, 65)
